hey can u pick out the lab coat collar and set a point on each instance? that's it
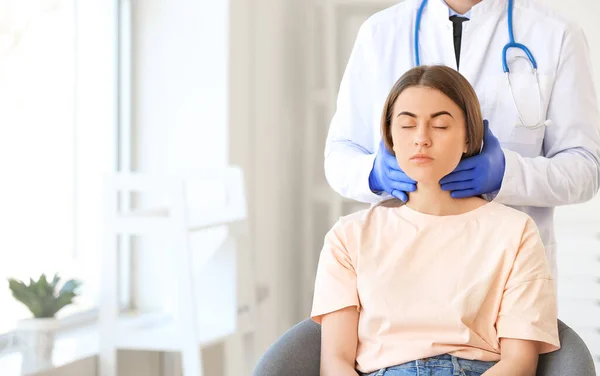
(486, 6)
(452, 12)
(438, 10)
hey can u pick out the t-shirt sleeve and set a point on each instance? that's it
(529, 308)
(335, 284)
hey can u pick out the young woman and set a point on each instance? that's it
(437, 286)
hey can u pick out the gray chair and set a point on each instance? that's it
(298, 351)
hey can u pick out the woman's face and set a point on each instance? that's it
(429, 134)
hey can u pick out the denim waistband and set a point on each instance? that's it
(442, 361)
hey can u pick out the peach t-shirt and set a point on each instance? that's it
(429, 285)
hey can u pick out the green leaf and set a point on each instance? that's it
(55, 281)
(62, 301)
(15, 284)
(41, 287)
(26, 296)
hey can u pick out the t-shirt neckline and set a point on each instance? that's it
(415, 215)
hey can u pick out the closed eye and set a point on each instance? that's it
(408, 126)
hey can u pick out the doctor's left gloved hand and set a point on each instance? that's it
(479, 174)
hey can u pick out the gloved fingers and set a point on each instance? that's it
(464, 193)
(402, 196)
(404, 187)
(488, 137)
(390, 161)
(458, 186)
(457, 176)
(400, 176)
(468, 163)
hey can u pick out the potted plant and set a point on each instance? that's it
(44, 300)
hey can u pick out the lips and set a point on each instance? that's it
(421, 158)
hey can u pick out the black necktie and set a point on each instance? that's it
(457, 26)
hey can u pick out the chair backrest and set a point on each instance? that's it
(212, 197)
(192, 220)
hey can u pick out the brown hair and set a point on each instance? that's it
(454, 86)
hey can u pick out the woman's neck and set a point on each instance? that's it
(431, 199)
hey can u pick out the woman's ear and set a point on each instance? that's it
(466, 148)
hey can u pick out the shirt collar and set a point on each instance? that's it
(451, 12)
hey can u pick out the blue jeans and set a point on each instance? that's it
(441, 365)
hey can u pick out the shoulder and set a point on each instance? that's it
(363, 219)
(534, 11)
(498, 209)
(506, 216)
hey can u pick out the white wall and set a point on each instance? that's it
(266, 93)
(180, 101)
(208, 93)
(180, 115)
(276, 93)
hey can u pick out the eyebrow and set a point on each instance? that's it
(435, 114)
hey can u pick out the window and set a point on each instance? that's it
(53, 154)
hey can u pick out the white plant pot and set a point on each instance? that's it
(36, 341)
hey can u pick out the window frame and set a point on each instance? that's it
(121, 21)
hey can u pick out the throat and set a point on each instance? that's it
(435, 201)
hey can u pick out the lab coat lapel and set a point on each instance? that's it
(436, 39)
(478, 48)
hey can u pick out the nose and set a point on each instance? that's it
(422, 137)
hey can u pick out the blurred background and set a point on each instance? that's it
(190, 88)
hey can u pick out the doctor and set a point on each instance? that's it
(532, 73)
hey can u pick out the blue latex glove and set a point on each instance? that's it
(479, 174)
(386, 176)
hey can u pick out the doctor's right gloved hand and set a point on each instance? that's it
(386, 176)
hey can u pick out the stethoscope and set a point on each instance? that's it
(510, 44)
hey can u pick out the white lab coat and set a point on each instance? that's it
(545, 167)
